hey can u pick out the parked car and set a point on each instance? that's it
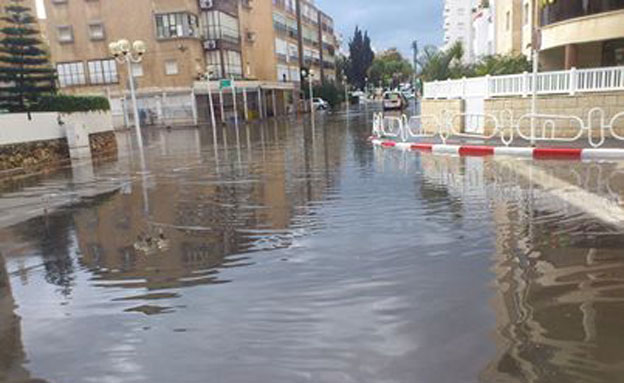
(320, 104)
(394, 101)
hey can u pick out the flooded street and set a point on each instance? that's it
(292, 254)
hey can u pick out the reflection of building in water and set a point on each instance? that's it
(11, 348)
(559, 292)
(559, 303)
(205, 217)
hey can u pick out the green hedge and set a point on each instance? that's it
(71, 104)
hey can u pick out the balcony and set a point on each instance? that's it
(565, 10)
(582, 25)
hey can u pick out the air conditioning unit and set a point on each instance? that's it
(206, 4)
(251, 36)
(210, 45)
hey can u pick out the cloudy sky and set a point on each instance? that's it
(390, 23)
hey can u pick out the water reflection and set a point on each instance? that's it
(11, 349)
(291, 254)
(559, 284)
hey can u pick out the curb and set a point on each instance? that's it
(484, 150)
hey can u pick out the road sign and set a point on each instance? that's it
(223, 84)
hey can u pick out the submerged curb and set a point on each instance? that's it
(484, 150)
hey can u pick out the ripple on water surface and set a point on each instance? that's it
(302, 255)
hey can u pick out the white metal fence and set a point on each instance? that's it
(558, 82)
(506, 127)
(166, 108)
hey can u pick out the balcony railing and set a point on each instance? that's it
(561, 10)
(559, 82)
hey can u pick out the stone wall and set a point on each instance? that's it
(562, 105)
(437, 108)
(103, 144)
(32, 156)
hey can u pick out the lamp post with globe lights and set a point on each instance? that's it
(127, 53)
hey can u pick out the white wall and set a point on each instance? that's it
(458, 25)
(483, 29)
(16, 128)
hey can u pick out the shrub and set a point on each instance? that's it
(330, 92)
(72, 104)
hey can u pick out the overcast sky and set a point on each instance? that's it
(390, 23)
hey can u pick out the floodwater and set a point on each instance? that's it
(292, 254)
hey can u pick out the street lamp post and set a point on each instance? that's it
(126, 53)
(207, 76)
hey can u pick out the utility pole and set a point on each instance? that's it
(415, 58)
(535, 45)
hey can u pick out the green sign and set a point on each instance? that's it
(225, 84)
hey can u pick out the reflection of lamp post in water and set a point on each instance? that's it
(309, 74)
(207, 76)
(129, 54)
(346, 86)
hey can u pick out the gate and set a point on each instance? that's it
(474, 106)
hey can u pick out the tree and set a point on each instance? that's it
(24, 64)
(360, 58)
(497, 65)
(441, 65)
(390, 68)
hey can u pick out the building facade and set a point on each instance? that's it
(579, 34)
(582, 34)
(241, 39)
(458, 26)
(483, 43)
(508, 29)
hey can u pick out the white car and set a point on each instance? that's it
(320, 104)
(394, 101)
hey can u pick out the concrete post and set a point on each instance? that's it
(573, 81)
(487, 86)
(284, 96)
(221, 105)
(245, 104)
(464, 87)
(525, 84)
(274, 103)
(194, 106)
(260, 115)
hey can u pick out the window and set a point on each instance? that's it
(526, 14)
(221, 26)
(96, 31)
(508, 20)
(171, 67)
(213, 59)
(102, 72)
(137, 70)
(282, 73)
(174, 25)
(295, 74)
(65, 34)
(233, 64)
(281, 50)
(70, 74)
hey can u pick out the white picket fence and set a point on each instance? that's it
(558, 82)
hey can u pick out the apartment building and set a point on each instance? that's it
(508, 29)
(458, 26)
(483, 43)
(241, 39)
(582, 34)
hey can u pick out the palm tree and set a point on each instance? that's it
(440, 65)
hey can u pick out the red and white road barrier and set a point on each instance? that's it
(484, 150)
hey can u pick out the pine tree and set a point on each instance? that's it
(25, 70)
(360, 58)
